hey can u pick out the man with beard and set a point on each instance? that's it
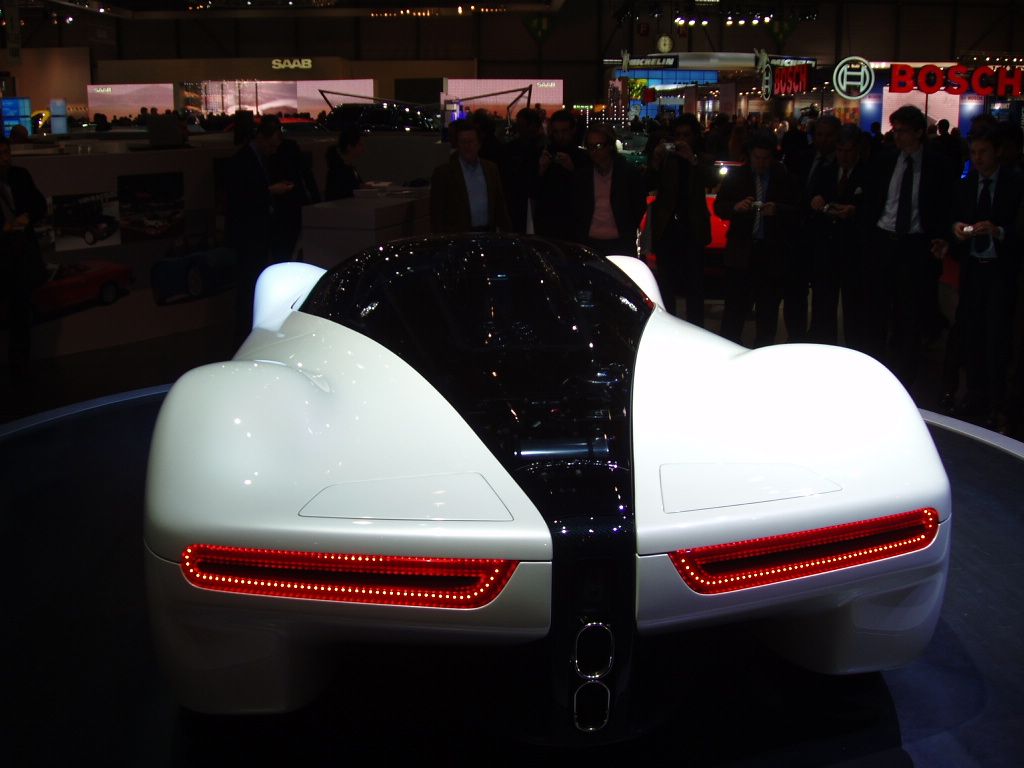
(552, 198)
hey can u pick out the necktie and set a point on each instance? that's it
(6, 203)
(844, 181)
(759, 196)
(983, 213)
(906, 201)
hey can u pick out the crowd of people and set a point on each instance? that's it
(826, 222)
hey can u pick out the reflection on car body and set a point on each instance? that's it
(506, 442)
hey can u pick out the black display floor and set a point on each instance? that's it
(82, 685)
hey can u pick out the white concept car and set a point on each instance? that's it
(504, 441)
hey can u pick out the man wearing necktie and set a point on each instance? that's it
(907, 213)
(836, 194)
(817, 160)
(988, 247)
(759, 200)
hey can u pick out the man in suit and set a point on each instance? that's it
(816, 160)
(907, 216)
(609, 197)
(988, 247)
(680, 222)
(21, 266)
(519, 162)
(249, 219)
(836, 195)
(759, 200)
(466, 193)
(552, 190)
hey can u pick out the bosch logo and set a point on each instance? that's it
(853, 78)
(767, 82)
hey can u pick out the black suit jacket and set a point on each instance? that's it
(21, 262)
(628, 198)
(249, 207)
(1005, 204)
(27, 197)
(934, 195)
(825, 182)
(783, 190)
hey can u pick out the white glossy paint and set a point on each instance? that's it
(691, 487)
(241, 447)
(281, 287)
(731, 444)
(641, 274)
(316, 438)
(227, 653)
(827, 412)
(868, 617)
(463, 497)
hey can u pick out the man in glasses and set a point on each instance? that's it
(609, 198)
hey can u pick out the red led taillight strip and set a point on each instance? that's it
(435, 582)
(756, 562)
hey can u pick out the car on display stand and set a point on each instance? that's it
(506, 443)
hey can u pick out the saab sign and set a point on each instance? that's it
(984, 81)
(291, 63)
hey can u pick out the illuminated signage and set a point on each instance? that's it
(790, 61)
(791, 80)
(853, 78)
(103, 89)
(654, 62)
(291, 63)
(957, 80)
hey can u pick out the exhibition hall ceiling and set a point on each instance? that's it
(163, 8)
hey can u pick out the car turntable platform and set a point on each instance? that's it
(83, 682)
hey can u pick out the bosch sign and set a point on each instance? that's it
(790, 80)
(984, 81)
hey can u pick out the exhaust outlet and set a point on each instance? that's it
(594, 650)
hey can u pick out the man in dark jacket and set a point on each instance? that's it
(989, 250)
(552, 191)
(834, 235)
(609, 198)
(249, 220)
(466, 193)
(519, 163)
(680, 222)
(21, 266)
(759, 200)
(907, 216)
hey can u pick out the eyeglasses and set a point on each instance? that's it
(595, 147)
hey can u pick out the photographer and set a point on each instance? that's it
(552, 198)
